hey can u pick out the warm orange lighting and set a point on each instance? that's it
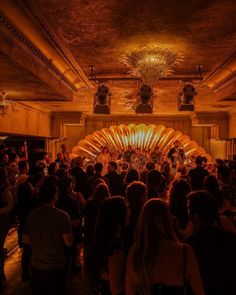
(145, 137)
(152, 62)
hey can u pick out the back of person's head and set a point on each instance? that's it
(124, 166)
(90, 170)
(66, 184)
(132, 175)
(112, 165)
(101, 192)
(60, 173)
(165, 167)
(211, 183)
(204, 159)
(154, 179)
(199, 160)
(212, 186)
(48, 193)
(154, 224)
(78, 162)
(219, 162)
(98, 167)
(178, 200)
(96, 182)
(23, 165)
(52, 168)
(223, 172)
(60, 156)
(180, 187)
(111, 217)
(25, 191)
(136, 193)
(182, 169)
(203, 205)
(155, 218)
(150, 166)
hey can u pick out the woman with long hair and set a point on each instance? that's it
(90, 210)
(106, 260)
(90, 213)
(67, 203)
(132, 175)
(90, 170)
(166, 172)
(227, 213)
(178, 207)
(157, 262)
(212, 186)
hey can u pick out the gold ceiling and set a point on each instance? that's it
(99, 32)
(72, 35)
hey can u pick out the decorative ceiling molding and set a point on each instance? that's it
(4, 22)
(50, 31)
(227, 90)
(223, 74)
(21, 59)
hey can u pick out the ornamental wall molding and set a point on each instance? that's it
(6, 23)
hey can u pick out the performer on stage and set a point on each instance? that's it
(104, 157)
(66, 153)
(176, 154)
(128, 153)
(134, 159)
(156, 155)
(141, 159)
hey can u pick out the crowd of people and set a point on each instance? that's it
(159, 225)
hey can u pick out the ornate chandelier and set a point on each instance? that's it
(5, 104)
(151, 63)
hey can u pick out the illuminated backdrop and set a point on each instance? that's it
(146, 137)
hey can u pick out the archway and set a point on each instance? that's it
(146, 137)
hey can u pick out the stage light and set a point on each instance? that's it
(186, 101)
(102, 100)
(5, 104)
(144, 103)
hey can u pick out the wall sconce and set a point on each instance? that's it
(5, 104)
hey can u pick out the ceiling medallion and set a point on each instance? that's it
(152, 62)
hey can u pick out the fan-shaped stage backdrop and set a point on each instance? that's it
(145, 137)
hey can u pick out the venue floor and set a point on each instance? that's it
(14, 285)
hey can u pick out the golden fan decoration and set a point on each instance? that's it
(145, 137)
